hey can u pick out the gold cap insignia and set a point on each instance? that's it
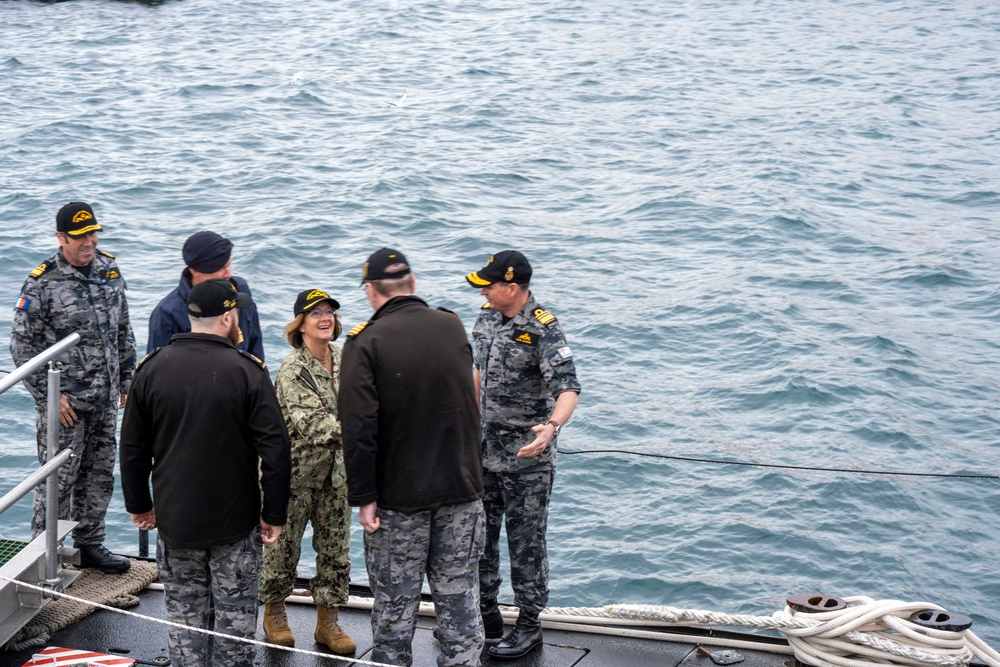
(82, 215)
(510, 274)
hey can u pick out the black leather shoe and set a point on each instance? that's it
(524, 638)
(97, 555)
(492, 621)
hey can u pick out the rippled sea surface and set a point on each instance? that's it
(771, 230)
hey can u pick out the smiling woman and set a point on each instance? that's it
(307, 385)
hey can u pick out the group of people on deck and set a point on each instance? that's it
(436, 441)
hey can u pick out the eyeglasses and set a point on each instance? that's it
(317, 313)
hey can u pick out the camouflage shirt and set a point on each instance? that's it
(524, 364)
(307, 394)
(58, 300)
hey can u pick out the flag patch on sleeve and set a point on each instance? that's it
(22, 303)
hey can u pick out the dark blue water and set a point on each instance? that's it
(769, 229)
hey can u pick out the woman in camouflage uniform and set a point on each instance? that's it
(307, 385)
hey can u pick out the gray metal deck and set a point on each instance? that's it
(107, 632)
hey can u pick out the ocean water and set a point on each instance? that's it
(770, 228)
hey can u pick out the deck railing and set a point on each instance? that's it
(49, 471)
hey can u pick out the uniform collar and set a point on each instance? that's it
(523, 316)
(399, 303)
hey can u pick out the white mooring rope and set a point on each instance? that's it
(867, 632)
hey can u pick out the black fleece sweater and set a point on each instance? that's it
(408, 410)
(199, 417)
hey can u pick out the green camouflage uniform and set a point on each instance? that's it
(56, 301)
(307, 394)
(524, 364)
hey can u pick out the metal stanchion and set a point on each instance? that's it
(52, 483)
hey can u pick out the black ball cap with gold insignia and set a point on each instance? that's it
(385, 264)
(310, 298)
(508, 266)
(213, 297)
(76, 219)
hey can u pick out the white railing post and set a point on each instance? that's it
(52, 483)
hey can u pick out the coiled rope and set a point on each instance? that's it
(867, 632)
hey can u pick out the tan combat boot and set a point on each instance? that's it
(276, 624)
(330, 634)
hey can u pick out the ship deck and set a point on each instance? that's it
(146, 642)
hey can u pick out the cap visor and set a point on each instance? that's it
(312, 304)
(476, 281)
(86, 230)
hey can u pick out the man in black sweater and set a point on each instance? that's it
(411, 444)
(200, 418)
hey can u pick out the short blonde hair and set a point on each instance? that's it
(294, 336)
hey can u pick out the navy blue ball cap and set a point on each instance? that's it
(508, 266)
(76, 219)
(385, 264)
(214, 297)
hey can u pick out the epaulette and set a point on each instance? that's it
(146, 358)
(251, 356)
(543, 316)
(486, 306)
(356, 330)
(44, 267)
(450, 312)
(106, 254)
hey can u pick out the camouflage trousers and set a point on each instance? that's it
(521, 500)
(327, 509)
(446, 543)
(214, 589)
(86, 481)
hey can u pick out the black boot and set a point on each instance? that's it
(524, 638)
(492, 621)
(97, 555)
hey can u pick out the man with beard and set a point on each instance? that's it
(201, 418)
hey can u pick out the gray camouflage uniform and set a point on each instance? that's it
(444, 542)
(213, 588)
(56, 301)
(524, 364)
(307, 394)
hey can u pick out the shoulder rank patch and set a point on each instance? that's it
(356, 330)
(525, 337)
(486, 306)
(146, 358)
(22, 303)
(544, 316)
(256, 360)
(40, 269)
(111, 274)
(106, 254)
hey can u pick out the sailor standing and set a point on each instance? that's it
(411, 445)
(203, 421)
(79, 290)
(527, 387)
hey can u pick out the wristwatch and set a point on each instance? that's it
(556, 425)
